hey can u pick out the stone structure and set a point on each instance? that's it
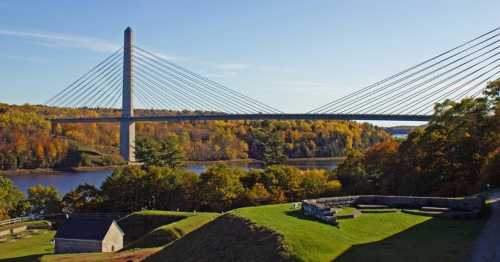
(88, 235)
(127, 126)
(324, 208)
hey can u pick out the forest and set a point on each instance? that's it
(456, 154)
(26, 140)
(131, 188)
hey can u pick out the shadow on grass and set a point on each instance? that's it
(300, 215)
(29, 258)
(433, 240)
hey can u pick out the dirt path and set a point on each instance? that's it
(487, 246)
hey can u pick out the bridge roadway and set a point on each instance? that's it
(208, 117)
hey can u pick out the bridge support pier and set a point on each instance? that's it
(127, 125)
(127, 140)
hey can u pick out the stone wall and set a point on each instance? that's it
(462, 204)
(323, 208)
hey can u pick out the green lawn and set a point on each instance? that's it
(140, 223)
(370, 237)
(27, 249)
(173, 231)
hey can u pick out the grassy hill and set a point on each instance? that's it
(227, 238)
(27, 247)
(370, 237)
(168, 233)
(140, 223)
(279, 233)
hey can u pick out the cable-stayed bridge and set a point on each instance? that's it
(137, 78)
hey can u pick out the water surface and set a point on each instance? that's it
(67, 181)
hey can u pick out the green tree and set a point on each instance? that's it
(132, 188)
(44, 200)
(10, 197)
(84, 198)
(164, 152)
(455, 155)
(274, 148)
(220, 187)
(125, 190)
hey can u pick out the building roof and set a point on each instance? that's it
(85, 228)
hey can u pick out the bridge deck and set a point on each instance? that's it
(365, 117)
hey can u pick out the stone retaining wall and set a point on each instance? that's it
(323, 208)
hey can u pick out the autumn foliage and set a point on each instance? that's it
(26, 140)
(457, 154)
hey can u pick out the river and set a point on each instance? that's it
(67, 181)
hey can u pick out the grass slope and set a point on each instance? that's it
(171, 232)
(27, 249)
(370, 237)
(140, 223)
(227, 238)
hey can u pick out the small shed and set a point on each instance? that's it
(79, 235)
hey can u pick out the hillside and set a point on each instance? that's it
(28, 142)
(279, 233)
(228, 238)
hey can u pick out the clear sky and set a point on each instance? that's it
(293, 55)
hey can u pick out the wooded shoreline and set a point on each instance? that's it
(57, 171)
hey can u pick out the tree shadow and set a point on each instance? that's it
(300, 215)
(29, 258)
(433, 240)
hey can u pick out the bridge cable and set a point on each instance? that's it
(97, 101)
(186, 84)
(241, 97)
(421, 92)
(344, 98)
(163, 93)
(378, 95)
(455, 90)
(83, 76)
(83, 84)
(206, 86)
(416, 102)
(172, 85)
(153, 97)
(192, 92)
(407, 91)
(97, 89)
(89, 84)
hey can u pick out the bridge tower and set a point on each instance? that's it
(127, 126)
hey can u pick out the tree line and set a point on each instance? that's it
(132, 188)
(26, 140)
(457, 154)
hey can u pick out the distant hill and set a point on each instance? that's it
(401, 130)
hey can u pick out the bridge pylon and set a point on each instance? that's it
(127, 124)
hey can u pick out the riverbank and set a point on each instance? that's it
(54, 171)
(255, 161)
(61, 171)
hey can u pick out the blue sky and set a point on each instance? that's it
(293, 55)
